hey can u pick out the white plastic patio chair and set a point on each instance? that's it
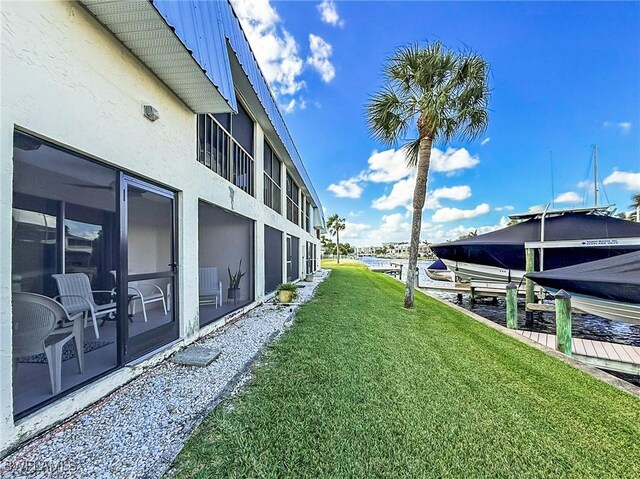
(210, 286)
(41, 325)
(145, 293)
(76, 296)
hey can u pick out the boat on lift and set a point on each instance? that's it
(609, 288)
(438, 271)
(592, 234)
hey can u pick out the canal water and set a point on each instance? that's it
(584, 326)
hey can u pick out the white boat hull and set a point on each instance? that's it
(605, 308)
(467, 272)
(441, 275)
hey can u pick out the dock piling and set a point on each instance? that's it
(529, 287)
(563, 322)
(512, 306)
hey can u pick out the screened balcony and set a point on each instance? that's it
(225, 146)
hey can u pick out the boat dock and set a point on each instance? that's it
(613, 356)
(394, 269)
(476, 289)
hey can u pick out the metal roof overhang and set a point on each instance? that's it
(139, 26)
(244, 56)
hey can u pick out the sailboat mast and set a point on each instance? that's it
(595, 174)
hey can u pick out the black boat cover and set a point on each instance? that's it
(438, 265)
(615, 278)
(505, 248)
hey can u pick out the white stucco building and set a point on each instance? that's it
(141, 149)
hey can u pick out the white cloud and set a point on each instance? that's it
(431, 203)
(444, 215)
(294, 104)
(353, 231)
(387, 166)
(274, 47)
(392, 228)
(485, 141)
(346, 189)
(401, 195)
(329, 13)
(628, 179)
(396, 228)
(320, 57)
(289, 107)
(623, 126)
(437, 233)
(568, 197)
(457, 193)
(504, 208)
(391, 165)
(452, 160)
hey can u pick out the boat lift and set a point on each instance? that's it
(532, 246)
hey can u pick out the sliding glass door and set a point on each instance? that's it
(148, 292)
(64, 245)
(102, 244)
(293, 258)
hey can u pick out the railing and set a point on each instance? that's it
(221, 153)
(293, 211)
(272, 193)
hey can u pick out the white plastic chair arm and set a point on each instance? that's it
(136, 291)
(150, 285)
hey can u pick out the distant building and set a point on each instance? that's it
(402, 248)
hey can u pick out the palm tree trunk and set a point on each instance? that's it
(338, 245)
(419, 195)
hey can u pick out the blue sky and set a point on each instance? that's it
(565, 76)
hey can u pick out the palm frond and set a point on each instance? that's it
(388, 116)
(411, 149)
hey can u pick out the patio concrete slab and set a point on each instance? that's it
(199, 356)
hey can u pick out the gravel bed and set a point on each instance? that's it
(138, 430)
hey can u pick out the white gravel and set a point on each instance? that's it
(140, 429)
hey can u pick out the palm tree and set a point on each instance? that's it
(445, 95)
(335, 225)
(635, 204)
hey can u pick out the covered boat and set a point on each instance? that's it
(438, 271)
(609, 287)
(500, 255)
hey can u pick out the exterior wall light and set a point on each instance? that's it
(150, 112)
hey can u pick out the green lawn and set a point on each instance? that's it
(360, 387)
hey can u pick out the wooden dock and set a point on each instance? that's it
(386, 269)
(477, 289)
(601, 354)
